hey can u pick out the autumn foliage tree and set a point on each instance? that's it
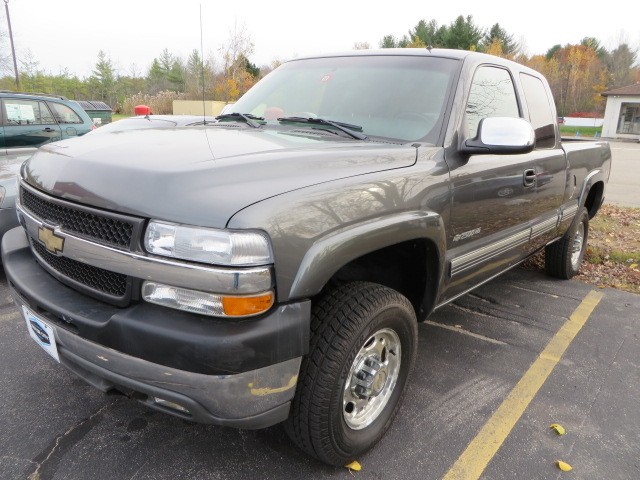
(238, 74)
(577, 74)
(573, 73)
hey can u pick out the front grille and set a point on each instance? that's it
(98, 279)
(96, 227)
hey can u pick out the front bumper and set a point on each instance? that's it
(8, 220)
(240, 374)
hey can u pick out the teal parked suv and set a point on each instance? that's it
(28, 120)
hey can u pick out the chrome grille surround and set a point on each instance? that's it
(102, 227)
(133, 263)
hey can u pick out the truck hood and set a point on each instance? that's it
(200, 175)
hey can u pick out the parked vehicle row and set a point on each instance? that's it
(28, 121)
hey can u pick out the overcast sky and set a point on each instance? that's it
(69, 33)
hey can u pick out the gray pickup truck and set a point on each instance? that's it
(273, 266)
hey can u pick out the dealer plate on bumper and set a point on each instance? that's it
(41, 332)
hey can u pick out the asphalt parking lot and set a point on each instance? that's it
(471, 356)
(624, 184)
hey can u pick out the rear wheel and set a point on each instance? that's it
(562, 259)
(363, 345)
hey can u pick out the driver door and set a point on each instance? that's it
(492, 195)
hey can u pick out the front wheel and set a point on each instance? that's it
(363, 346)
(562, 259)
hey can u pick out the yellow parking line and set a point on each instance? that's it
(484, 446)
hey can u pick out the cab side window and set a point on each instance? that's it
(27, 112)
(492, 95)
(541, 115)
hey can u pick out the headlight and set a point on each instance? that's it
(208, 245)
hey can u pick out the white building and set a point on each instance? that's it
(622, 113)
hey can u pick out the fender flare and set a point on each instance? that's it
(333, 251)
(589, 181)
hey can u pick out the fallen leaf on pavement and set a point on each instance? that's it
(354, 466)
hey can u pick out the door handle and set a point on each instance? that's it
(529, 178)
(48, 130)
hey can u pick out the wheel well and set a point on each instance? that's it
(410, 268)
(594, 198)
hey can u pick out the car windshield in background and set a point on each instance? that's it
(397, 97)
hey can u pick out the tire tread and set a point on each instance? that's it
(335, 321)
(557, 255)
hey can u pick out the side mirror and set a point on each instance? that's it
(501, 135)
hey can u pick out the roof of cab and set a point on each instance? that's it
(461, 55)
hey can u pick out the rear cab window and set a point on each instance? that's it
(541, 114)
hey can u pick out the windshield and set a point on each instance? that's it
(397, 97)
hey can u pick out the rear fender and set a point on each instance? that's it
(590, 180)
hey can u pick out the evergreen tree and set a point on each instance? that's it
(462, 34)
(498, 34)
(102, 80)
(388, 41)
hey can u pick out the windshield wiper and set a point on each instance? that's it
(247, 118)
(354, 131)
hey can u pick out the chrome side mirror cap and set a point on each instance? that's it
(501, 135)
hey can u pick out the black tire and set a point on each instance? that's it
(342, 321)
(559, 259)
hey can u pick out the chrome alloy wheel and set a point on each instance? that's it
(372, 379)
(576, 248)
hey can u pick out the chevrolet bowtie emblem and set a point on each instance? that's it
(50, 240)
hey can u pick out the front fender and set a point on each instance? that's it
(317, 230)
(328, 254)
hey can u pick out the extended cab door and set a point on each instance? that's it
(28, 123)
(550, 160)
(493, 195)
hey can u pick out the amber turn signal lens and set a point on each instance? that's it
(242, 306)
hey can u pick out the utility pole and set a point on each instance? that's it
(13, 50)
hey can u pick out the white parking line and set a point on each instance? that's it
(9, 316)
(465, 332)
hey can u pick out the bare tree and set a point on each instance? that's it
(362, 46)
(620, 62)
(235, 50)
(239, 74)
